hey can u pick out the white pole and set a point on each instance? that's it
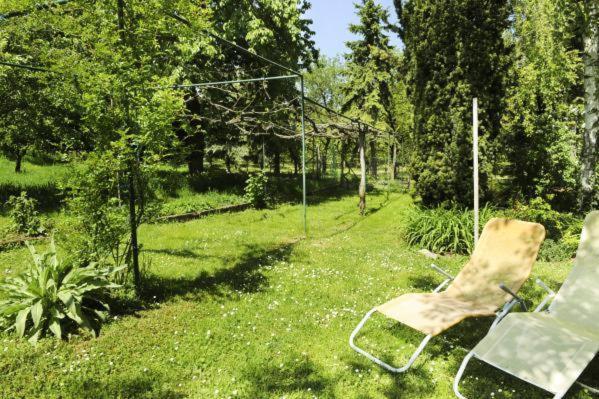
(475, 166)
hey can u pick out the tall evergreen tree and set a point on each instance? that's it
(371, 64)
(455, 51)
(541, 122)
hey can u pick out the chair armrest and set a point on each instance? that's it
(513, 295)
(441, 271)
(550, 295)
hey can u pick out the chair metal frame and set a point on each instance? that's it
(449, 278)
(456, 382)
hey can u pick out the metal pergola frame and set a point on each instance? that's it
(294, 76)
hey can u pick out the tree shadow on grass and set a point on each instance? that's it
(482, 380)
(416, 379)
(146, 386)
(293, 375)
(424, 282)
(244, 276)
(179, 253)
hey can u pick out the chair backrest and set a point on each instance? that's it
(505, 253)
(578, 299)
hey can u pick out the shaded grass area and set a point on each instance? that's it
(243, 307)
(39, 181)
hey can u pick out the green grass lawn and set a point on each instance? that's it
(39, 181)
(242, 307)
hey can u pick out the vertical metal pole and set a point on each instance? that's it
(304, 155)
(475, 166)
(133, 226)
(388, 165)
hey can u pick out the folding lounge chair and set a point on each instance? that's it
(550, 349)
(499, 265)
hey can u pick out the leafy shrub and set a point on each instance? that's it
(98, 197)
(255, 190)
(54, 296)
(443, 230)
(563, 229)
(24, 215)
(451, 230)
(539, 211)
(556, 251)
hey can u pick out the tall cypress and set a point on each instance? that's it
(455, 51)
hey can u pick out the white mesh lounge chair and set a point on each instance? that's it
(499, 265)
(550, 349)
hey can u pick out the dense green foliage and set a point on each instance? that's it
(541, 123)
(255, 190)
(455, 51)
(443, 230)
(523, 60)
(52, 296)
(24, 215)
(451, 230)
(98, 199)
(371, 66)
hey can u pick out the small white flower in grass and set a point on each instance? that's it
(145, 370)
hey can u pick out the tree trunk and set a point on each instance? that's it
(133, 226)
(591, 112)
(393, 161)
(342, 163)
(314, 159)
(195, 159)
(362, 188)
(295, 158)
(277, 162)
(318, 164)
(374, 165)
(323, 157)
(228, 163)
(19, 160)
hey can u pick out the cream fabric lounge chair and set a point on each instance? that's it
(550, 349)
(499, 265)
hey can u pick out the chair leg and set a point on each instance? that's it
(458, 377)
(379, 361)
